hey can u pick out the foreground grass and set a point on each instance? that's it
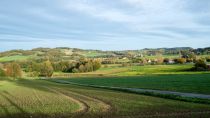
(23, 101)
(24, 98)
(191, 83)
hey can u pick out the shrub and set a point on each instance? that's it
(200, 65)
(180, 60)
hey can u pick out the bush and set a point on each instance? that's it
(200, 65)
(180, 60)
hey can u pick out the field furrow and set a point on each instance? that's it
(96, 105)
(83, 106)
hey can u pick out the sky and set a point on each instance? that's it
(104, 24)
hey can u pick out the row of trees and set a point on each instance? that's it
(83, 65)
(47, 68)
(14, 70)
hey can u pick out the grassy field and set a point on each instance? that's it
(118, 70)
(147, 70)
(14, 58)
(158, 77)
(40, 98)
(93, 54)
(193, 83)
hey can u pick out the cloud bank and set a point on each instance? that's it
(106, 25)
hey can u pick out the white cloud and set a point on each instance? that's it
(98, 11)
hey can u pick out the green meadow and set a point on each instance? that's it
(192, 83)
(14, 58)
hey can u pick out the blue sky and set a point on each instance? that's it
(104, 24)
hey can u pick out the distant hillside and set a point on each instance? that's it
(65, 53)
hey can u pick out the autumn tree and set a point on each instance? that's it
(181, 60)
(13, 70)
(46, 69)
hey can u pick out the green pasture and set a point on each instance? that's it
(146, 70)
(192, 83)
(14, 58)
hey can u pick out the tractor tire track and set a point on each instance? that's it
(37, 97)
(105, 106)
(84, 108)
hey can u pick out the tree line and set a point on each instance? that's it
(46, 68)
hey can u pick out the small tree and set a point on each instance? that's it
(13, 70)
(46, 69)
(82, 68)
(200, 65)
(181, 60)
(160, 60)
(96, 65)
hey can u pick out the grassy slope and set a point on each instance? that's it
(18, 97)
(146, 70)
(195, 83)
(13, 58)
